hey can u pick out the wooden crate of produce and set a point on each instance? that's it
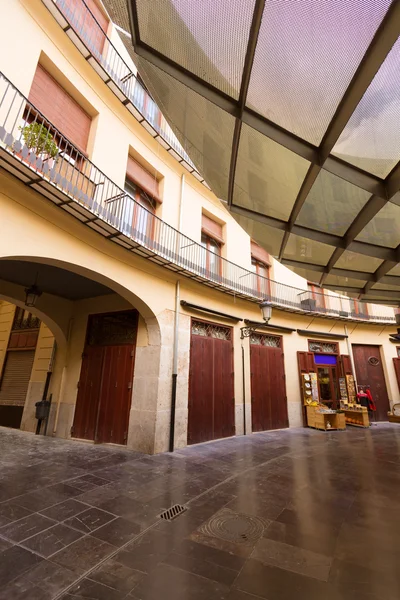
(357, 418)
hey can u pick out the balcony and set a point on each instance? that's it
(85, 32)
(34, 151)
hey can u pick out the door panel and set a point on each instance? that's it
(268, 394)
(224, 415)
(396, 362)
(201, 390)
(211, 387)
(87, 402)
(369, 371)
(115, 395)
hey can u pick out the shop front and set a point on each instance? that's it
(328, 390)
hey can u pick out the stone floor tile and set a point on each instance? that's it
(43, 582)
(117, 532)
(169, 583)
(292, 558)
(209, 554)
(4, 544)
(273, 583)
(89, 520)
(200, 567)
(52, 540)
(14, 562)
(12, 512)
(64, 510)
(83, 555)
(293, 535)
(92, 590)
(116, 576)
(26, 527)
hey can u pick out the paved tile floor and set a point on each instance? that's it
(287, 515)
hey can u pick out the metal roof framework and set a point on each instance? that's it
(341, 227)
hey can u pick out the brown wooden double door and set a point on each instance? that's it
(211, 387)
(268, 390)
(369, 371)
(105, 384)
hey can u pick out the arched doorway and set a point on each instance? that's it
(97, 320)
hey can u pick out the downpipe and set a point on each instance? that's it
(174, 368)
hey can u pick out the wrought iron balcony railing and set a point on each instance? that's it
(84, 30)
(36, 152)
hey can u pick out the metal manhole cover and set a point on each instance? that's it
(234, 527)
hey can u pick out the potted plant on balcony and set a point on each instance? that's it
(39, 140)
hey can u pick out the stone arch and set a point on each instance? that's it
(54, 312)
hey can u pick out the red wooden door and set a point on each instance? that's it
(115, 395)
(211, 399)
(268, 393)
(224, 402)
(87, 402)
(396, 362)
(369, 371)
(105, 385)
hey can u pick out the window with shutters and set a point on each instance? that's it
(138, 213)
(15, 378)
(212, 241)
(23, 319)
(88, 20)
(317, 294)
(61, 110)
(358, 309)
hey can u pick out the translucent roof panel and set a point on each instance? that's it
(358, 262)
(269, 237)
(268, 176)
(210, 39)
(395, 271)
(258, 94)
(384, 228)
(370, 140)
(208, 127)
(307, 54)
(385, 286)
(332, 204)
(308, 251)
(332, 280)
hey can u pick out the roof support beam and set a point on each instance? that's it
(244, 88)
(368, 212)
(383, 270)
(393, 181)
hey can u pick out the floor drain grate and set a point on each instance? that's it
(171, 513)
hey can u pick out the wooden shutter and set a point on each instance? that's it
(212, 228)
(396, 362)
(145, 180)
(260, 254)
(84, 22)
(60, 109)
(345, 365)
(305, 362)
(16, 376)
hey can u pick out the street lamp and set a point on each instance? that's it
(266, 311)
(31, 295)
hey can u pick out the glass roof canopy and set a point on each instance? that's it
(291, 112)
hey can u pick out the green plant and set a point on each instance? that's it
(38, 139)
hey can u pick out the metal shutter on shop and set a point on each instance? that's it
(16, 376)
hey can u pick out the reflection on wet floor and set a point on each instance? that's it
(292, 514)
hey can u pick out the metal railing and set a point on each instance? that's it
(50, 162)
(104, 54)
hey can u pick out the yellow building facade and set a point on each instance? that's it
(147, 284)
